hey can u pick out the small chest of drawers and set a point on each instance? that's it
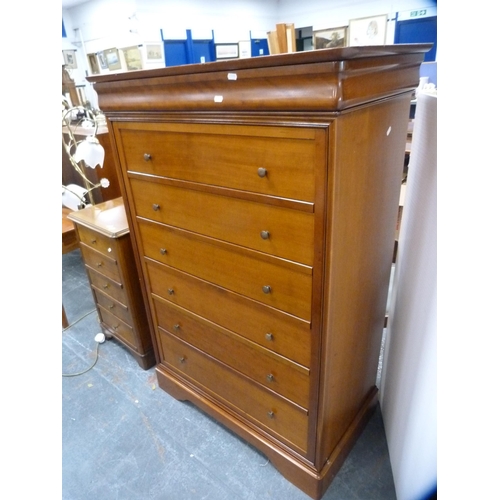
(263, 196)
(107, 253)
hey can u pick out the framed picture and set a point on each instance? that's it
(367, 31)
(329, 38)
(154, 52)
(227, 51)
(93, 64)
(244, 49)
(102, 60)
(70, 58)
(133, 58)
(112, 59)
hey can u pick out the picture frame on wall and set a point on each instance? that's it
(244, 49)
(102, 60)
(93, 64)
(154, 52)
(367, 31)
(330, 38)
(113, 59)
(133, 58)
(70, 58)
(226, 51)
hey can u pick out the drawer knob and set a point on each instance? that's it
(177, 327)
(270, 377)
(163, 251)
(156, 207)
(182, 359)
(105, 285)
(116, 327)
(93, 241)
(111, 306)
(269, 336)
(266, 289)
(264, 235)
(270, 414)
(99, 264)
(171, 291)
(262, 172)
(147, 157)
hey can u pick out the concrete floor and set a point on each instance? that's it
(124, 438)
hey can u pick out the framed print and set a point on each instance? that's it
(367, 31)
(226, 51)
(112, 59)
(329, 38)
(245, 49)
(154, 52)
(133, 58)
(102, 60)
(93, 64)
(70, 58)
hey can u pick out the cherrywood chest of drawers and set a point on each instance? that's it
(263, 198)
(108, 256)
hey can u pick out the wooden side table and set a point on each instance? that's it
(106, 248)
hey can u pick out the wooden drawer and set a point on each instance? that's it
(257, 404)
(265, 367)
(119, 310)
(107, 285)
(118, 327)
(268, 327)
(97, 241)
(232, 267)
(101, 263)
(279, 231)
(228, 156)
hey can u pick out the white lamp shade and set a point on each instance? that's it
(90, 151)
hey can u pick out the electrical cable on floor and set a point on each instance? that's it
(99, 338)
(90, 367)
(79, 319)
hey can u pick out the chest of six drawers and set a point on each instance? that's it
(225, 219)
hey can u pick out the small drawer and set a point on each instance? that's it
(101, 263)
(107, 285)
(284, 232)
(116, 308)
(118, 327)
(97, 241)
(266, 368)
(275, 282)
(274, 160)
(268, 410)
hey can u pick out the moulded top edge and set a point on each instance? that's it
(309, 57)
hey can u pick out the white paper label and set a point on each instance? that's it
(218, 98)
(232, 76)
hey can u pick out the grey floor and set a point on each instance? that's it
(124, 438)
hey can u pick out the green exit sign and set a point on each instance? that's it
(418, 13)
